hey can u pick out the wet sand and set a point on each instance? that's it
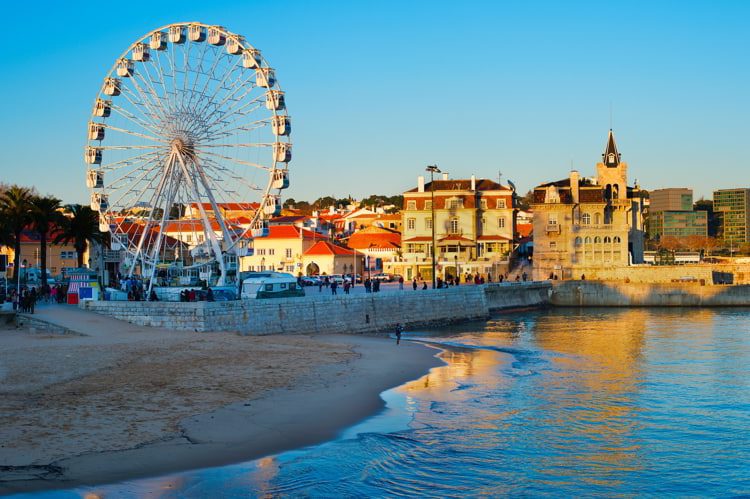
(86, 410)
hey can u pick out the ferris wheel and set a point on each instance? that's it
(188, 149)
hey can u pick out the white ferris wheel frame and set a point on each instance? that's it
(181, 155)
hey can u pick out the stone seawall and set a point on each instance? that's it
(616, 294)
(330, 314)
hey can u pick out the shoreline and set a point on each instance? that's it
(315, 409)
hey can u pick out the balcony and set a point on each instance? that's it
(553, 228)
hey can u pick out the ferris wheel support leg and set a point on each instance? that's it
(171, 193)
(206, 223)
(144, 234)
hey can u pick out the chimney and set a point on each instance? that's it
(445, 175)
(473, 183)
(420, 184)
(574, 179)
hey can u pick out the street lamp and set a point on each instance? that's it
(433, 169)
(458, 273)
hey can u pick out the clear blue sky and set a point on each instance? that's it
(378, 90)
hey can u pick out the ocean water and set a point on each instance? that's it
(595, 402)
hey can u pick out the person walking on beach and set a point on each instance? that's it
(399, 330)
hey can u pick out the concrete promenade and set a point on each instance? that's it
(320, 312)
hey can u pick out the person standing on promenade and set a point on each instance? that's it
(334, 285)
(320, 285)
(401, 283)
(346, 287)
(399, 330)
(368, 285)
(414, 284)
(424, 285)
(376, 286)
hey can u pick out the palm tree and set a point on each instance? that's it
(81, 226)
(15, 210)
(45, 213)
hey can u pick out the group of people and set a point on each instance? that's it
(191, 295)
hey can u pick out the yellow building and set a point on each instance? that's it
(474, 227)
(281, 250)
(585, 224)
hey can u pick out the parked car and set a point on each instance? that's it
(358, 277)
(310, 280)
(382, 277)
(338, 278)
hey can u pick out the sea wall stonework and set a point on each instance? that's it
(330, 314)
(620, 294)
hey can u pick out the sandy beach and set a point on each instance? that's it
(133, 401)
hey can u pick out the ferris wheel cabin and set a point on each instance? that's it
(112, 86)
(272, 206)
(99, 202)
(196, 33)
(280, 179)
(96, 131)
(140, 52)
(102, 108)
(251, 58)
(275, 100)
(158, 41)
(281, 125)
(95, 179)
(176, 34)
(216, 36)
(93, 155)
(264, 77)
(125, 68)
(282, 152)
(259, 229)
(234, 44)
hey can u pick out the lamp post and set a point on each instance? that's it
(458, 273)
(433, 169)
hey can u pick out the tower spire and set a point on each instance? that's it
(611, 158)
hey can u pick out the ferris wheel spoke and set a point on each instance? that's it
(131, 117)
(232, 175)
(220, 84)
(237, 160)
(148, 80)
(230, 131)
(140, 102)
(128, 161)
(149, 99)
(135, 134)
(228, 111)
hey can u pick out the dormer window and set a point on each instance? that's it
(611, 158)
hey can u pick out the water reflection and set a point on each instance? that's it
(564, 402)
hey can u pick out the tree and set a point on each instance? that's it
(81, 226)
(45, 213)
(324, 202)
(15, 211)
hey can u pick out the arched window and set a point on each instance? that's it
(597, 240)
(587, 240)
(617, 240)
(615, 191)
(454, 226)
(607, 239)
(597, 218)
(586, 219)
(578, 241)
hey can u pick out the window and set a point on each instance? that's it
(597, 218)
(261, 251)
(483, 204)
(552, 219)
(200, 238)
(553, 245)
(454, 226)
(283, 285)
(617, 239)
(271, 251)
(188, 238)
(269, 287)
(251, 268)
(597, 240)
(586, 219)
(501, 222)
(288, 253)
(501, 203)
(607, 239)
(411, 223)
(411, 205)
(428, 223)
(587, 240)
(578, 241)
(455, 203)
(428, 205)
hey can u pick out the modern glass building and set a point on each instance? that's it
(734, 206)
